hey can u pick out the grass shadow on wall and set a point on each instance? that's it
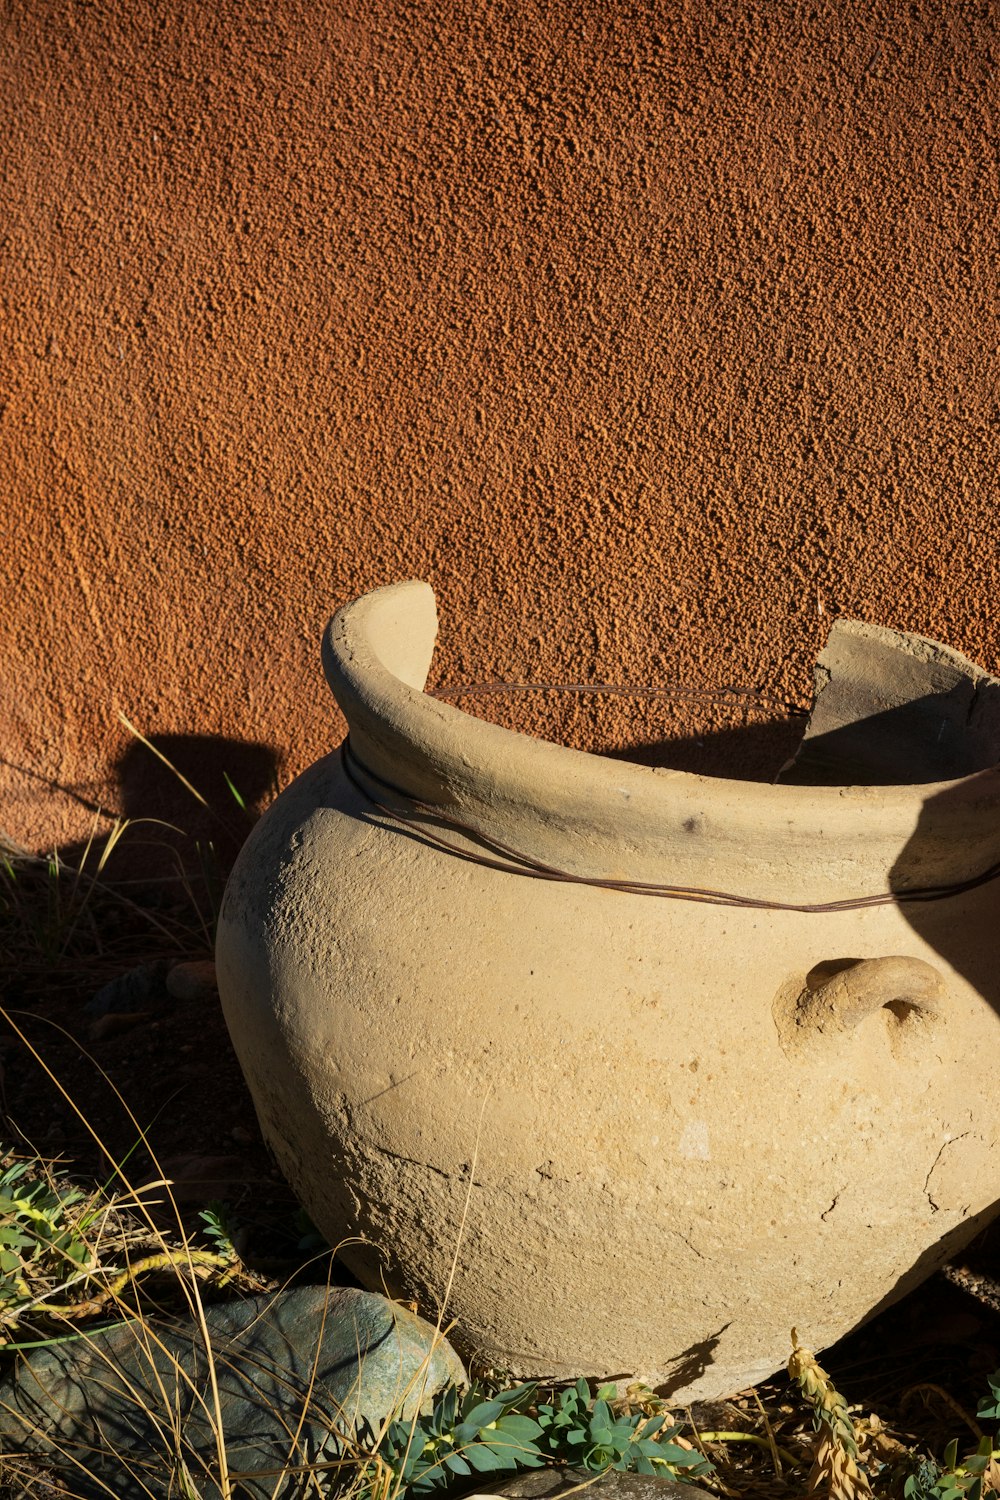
(186, 793)
(89, 934)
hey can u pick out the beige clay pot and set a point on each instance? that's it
(635, 1134)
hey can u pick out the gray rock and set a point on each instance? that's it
(547, 1484)
(140, 989)
(298, 1374)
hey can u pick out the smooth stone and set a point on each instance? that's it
(193, 981)
(349, 1358)
(203, 1179)
(138, 989)
(548, 1484)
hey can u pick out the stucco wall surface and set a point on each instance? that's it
(651, 334)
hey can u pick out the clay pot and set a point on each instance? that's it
(629, 1132)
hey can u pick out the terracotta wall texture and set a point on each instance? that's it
(653, 333)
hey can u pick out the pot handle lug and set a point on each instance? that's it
(908, 988)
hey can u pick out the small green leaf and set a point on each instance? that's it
(237, 798)
(483, 1459)
(11, 1235)
(649, 1447)
(991, 1408)
(485, 1412)
(518, 1395)
(601, 1416)
(520, 1429)
(598, 1459)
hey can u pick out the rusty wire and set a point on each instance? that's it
(675, 691)
(514, 862)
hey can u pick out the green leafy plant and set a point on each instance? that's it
(66, 1254)
(41, 1237)
(586, 1432)
(989, 1407)
(969, 1478)
(216, 1228)
(461, 1434)
(482, 1433)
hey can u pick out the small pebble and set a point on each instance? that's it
(114, 1024)
(198, 1179)
(193, 981)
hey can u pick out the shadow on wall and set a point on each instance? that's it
(201, 793)
(190, 801)
(197, 782)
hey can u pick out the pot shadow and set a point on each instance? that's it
(207, 789)
(926, 739)
(956, 841)
(972, 1240)
(964, 926)
(691, 1364)
(747, 752)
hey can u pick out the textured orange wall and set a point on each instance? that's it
(652, 334)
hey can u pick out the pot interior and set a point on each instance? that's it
(740, 734)
(890, 709)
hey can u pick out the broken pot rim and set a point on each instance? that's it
(591, 809)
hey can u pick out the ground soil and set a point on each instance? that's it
(151, 1082)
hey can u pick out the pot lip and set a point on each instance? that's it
(377, 652)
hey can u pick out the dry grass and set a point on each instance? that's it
(102, 1257)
